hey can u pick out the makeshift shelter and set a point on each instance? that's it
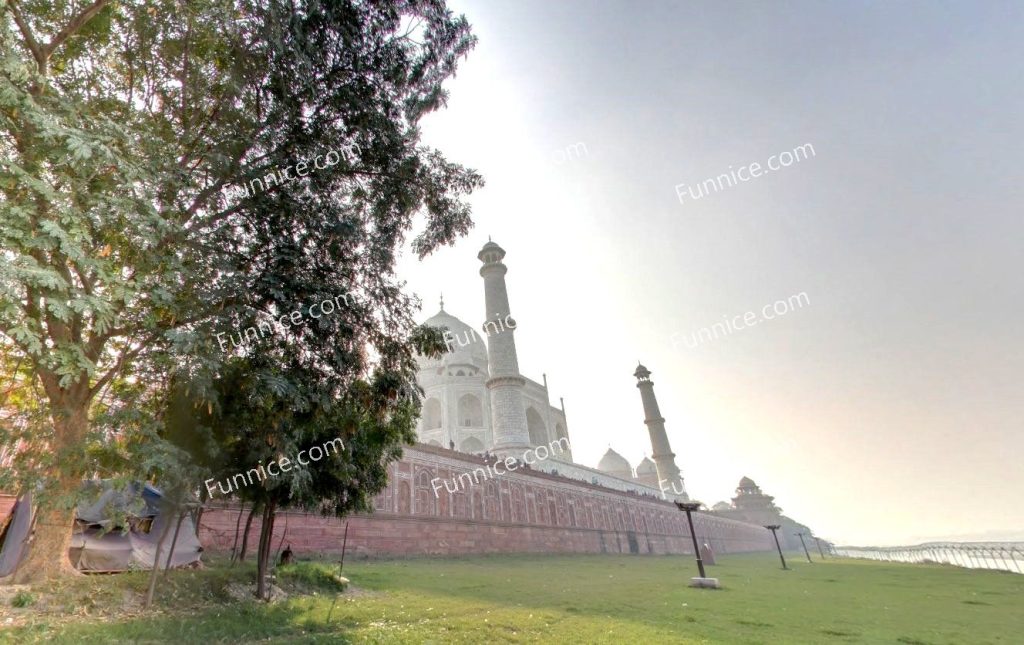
(16, 528)
(117, 530)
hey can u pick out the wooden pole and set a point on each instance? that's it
(344, 544)
(174, 541)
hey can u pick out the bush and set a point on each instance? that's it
(312, 574)
(22, 599)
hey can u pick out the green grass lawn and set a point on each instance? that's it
(558, 599)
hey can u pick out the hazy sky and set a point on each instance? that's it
(890, 409)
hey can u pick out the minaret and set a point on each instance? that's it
(669, 478)
(508, 414)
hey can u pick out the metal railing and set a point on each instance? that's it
(1003, 556)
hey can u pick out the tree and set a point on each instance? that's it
(124, 123)
(268, 408)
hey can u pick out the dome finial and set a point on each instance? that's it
(442, 302)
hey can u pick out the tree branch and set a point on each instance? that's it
(116, 369)
(30, 42)
(76, 23)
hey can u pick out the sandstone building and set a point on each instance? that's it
(752, 505)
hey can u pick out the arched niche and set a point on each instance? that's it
(471, 411)
(535, 425)
(432, 414)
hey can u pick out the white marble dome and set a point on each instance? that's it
(615, 464)
(646, 467)
(467, 345)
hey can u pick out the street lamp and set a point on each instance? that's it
(802, 543)
(773, 528)
(703, 581)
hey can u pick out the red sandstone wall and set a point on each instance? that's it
(389, 535)
(525, 512)
(521, 512)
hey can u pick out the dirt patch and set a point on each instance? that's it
(242, 592)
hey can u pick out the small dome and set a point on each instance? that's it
(747, 482)
(722, 506)
(646, 467)
(467, 345)
(615, 464)
(491, 252)
(642, 373)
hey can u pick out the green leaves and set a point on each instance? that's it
(120, 257)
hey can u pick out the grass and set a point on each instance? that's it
(558, 599)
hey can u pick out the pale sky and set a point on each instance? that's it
(888, 410)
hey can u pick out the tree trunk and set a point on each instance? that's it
(197, 514)
(156, 561)
(245, 536)
(47, 557)
(281, 542)
(263, 555)
(238, 526)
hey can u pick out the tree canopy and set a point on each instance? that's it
(124, 249)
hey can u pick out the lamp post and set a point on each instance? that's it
(773, 528)
(703, 581)
(803, 544)
(817, 541)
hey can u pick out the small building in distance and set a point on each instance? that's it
(754, 506)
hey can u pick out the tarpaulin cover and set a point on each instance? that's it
(12, 541)
(120, 550)
(135, 509)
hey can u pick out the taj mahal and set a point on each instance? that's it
(479, 410)
(477, 401)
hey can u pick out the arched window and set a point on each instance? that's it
(535, 425)
(431, 414)
(461, 504)
(518, 506)
(404, 497)
(460, 373)
(424, 494)
(492, 501)
(478, 504)
(472, 444)
(471, 412)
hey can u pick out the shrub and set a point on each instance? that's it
(22, 599)
(312, 574)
